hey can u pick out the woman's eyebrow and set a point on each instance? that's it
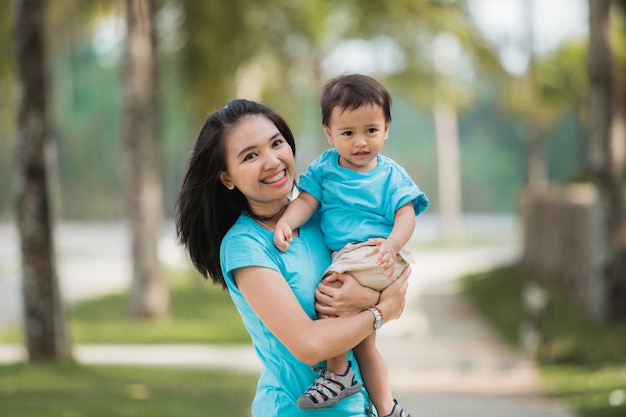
(245, 150)
(249, 148)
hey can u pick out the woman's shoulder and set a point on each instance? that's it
(244, 231)
(247, 244)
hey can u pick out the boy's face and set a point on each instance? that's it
(358, 135)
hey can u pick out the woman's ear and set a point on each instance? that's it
(226, 181)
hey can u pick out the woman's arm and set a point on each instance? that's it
(342, 295)
(311, 341)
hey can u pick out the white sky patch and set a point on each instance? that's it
(553, 21)
(380, 55)
(107, 40)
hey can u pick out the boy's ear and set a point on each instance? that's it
(226, 180)
(387, 124)
(329, 136)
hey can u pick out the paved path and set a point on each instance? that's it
(443, 360)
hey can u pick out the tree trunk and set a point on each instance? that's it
(448, 171)
(535, 136)
(44, 319)
(618, 132)
(611, 202)
(537, 163)
(149, 294)
(448, 147)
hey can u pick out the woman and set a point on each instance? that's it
(238, 182)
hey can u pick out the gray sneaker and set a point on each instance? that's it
(397, 411)
(328, 389)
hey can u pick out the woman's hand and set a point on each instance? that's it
(392, 298)
(341, 295)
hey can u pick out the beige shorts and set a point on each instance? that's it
(359, 260)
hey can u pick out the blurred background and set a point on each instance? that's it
(509, 114)
(479, 68)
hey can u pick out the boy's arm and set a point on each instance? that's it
(403, 226)
(298, 212)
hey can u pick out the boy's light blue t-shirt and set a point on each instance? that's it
(355, 206)
(283, 378)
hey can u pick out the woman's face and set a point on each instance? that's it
(259, 163)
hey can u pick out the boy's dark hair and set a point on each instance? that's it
(349, 92)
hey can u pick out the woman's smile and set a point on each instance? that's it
(276, 179)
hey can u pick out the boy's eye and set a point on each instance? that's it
(371, 130)
(347, 133)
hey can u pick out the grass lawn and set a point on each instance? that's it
(200, 312)
(43, 390)
(585, 365)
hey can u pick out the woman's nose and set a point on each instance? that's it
(271, 160)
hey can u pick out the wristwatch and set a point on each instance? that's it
(378, 318)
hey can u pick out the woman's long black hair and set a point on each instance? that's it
(206, 209)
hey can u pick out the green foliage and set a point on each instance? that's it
(88, 391)
(591, 391)
(87, 133)
(585, 363)
(275, 51)
(553, 86)
(200, 312)
(504, 311)
(565, 151)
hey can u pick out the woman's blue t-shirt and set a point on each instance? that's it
(283, 377)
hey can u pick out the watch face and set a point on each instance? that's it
(378, 323)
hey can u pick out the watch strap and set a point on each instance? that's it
(378, 317)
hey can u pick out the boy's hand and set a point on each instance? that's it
(282, 236)
(387, 252)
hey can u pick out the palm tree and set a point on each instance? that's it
(46, 335)
(609, 185)
(149, 296)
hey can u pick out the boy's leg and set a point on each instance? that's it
(375, 374)
(338, 364)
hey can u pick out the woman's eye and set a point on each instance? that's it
(249, 156)
(277, 142)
